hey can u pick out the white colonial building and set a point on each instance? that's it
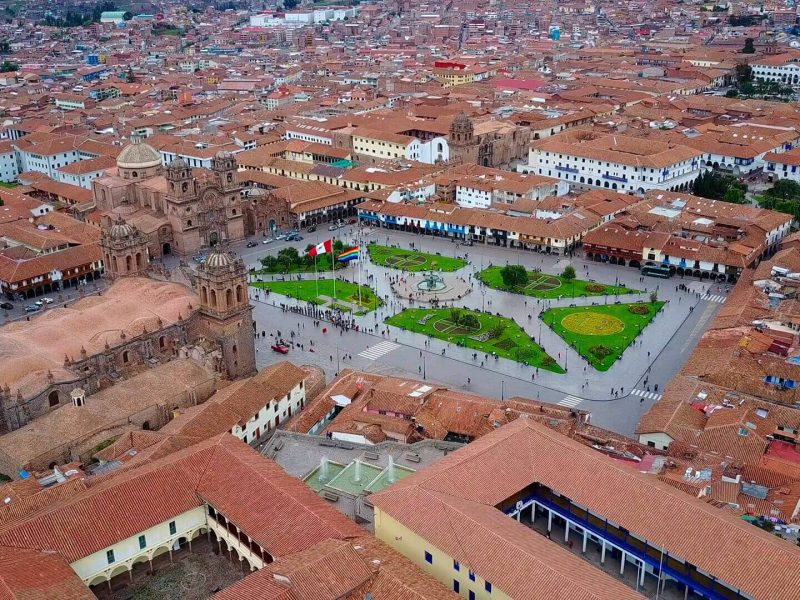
(783, 68)
(633, 165)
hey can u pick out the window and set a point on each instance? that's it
(471, 595)
(172, 528)
(471, 575)
(110, 556)
(428, 558)
(142, 542)
(488, 587)
(456, 565)
(456, 585)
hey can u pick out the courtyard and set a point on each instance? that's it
(343, 296)
(491, 334)
(543, 285)
(601, 333)
(411, 260)
(193, 576)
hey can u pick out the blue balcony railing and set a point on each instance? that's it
(662, 565)
(567, 169)
(615, 178)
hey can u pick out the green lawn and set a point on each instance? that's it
(542, 285)
(510, 340)
(307, 290)
(601, 333)
(410, 260)
(8, 185)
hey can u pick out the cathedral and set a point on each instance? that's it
(135, 325)
(178, 209)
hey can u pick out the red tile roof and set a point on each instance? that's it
(452, 504)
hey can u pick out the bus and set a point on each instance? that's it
(655, 271)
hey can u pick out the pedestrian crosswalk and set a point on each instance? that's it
(378, 350)
(570, 401)
(716, 298)
(646, 394)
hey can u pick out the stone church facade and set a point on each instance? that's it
(181, 210)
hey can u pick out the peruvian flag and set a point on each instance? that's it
(323, 248)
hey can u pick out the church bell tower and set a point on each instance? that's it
(225, 312)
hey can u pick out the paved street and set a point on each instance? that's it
(652, 361)
(656, 357)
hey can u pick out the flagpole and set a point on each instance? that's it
(316, 276)
(333, 270)
(358, 264)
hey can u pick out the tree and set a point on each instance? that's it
(470, 321)
(290, 4)
(568, 274)
(734, 195)
(744, 73)
(749, 48)
(715, 185)
(8, 67)
(514, 275)
(785, 189)
(5, 47)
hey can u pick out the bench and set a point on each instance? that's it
(413, 457)
(279, 445)
(330, 496)
(327, 443)
(371, 455)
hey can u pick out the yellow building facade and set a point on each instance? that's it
(457, 576)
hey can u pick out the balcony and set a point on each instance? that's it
(676, 578)
(622, 179)
(566, 169)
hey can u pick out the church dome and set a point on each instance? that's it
(138, 156)
(177, 165)
(121, 230)
(218, 258)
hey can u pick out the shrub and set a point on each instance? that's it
(601, 351)
(497, 330)
(595, 288)
(548, 361)
(455, 316)
(638, 309)
(470, 321)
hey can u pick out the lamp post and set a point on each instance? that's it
(423, 368)
(502, 390)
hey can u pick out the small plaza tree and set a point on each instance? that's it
(514, 276)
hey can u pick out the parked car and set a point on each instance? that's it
(333, 227)
(267, 241)
(352, 221)
(312, 229)
(282, 348)
(280, 236)
(252, 244)
(6, 305)
(32, 308)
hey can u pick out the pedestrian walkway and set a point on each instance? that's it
(716, 298)
(378, 350)
(570, 401)
(646, 394)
